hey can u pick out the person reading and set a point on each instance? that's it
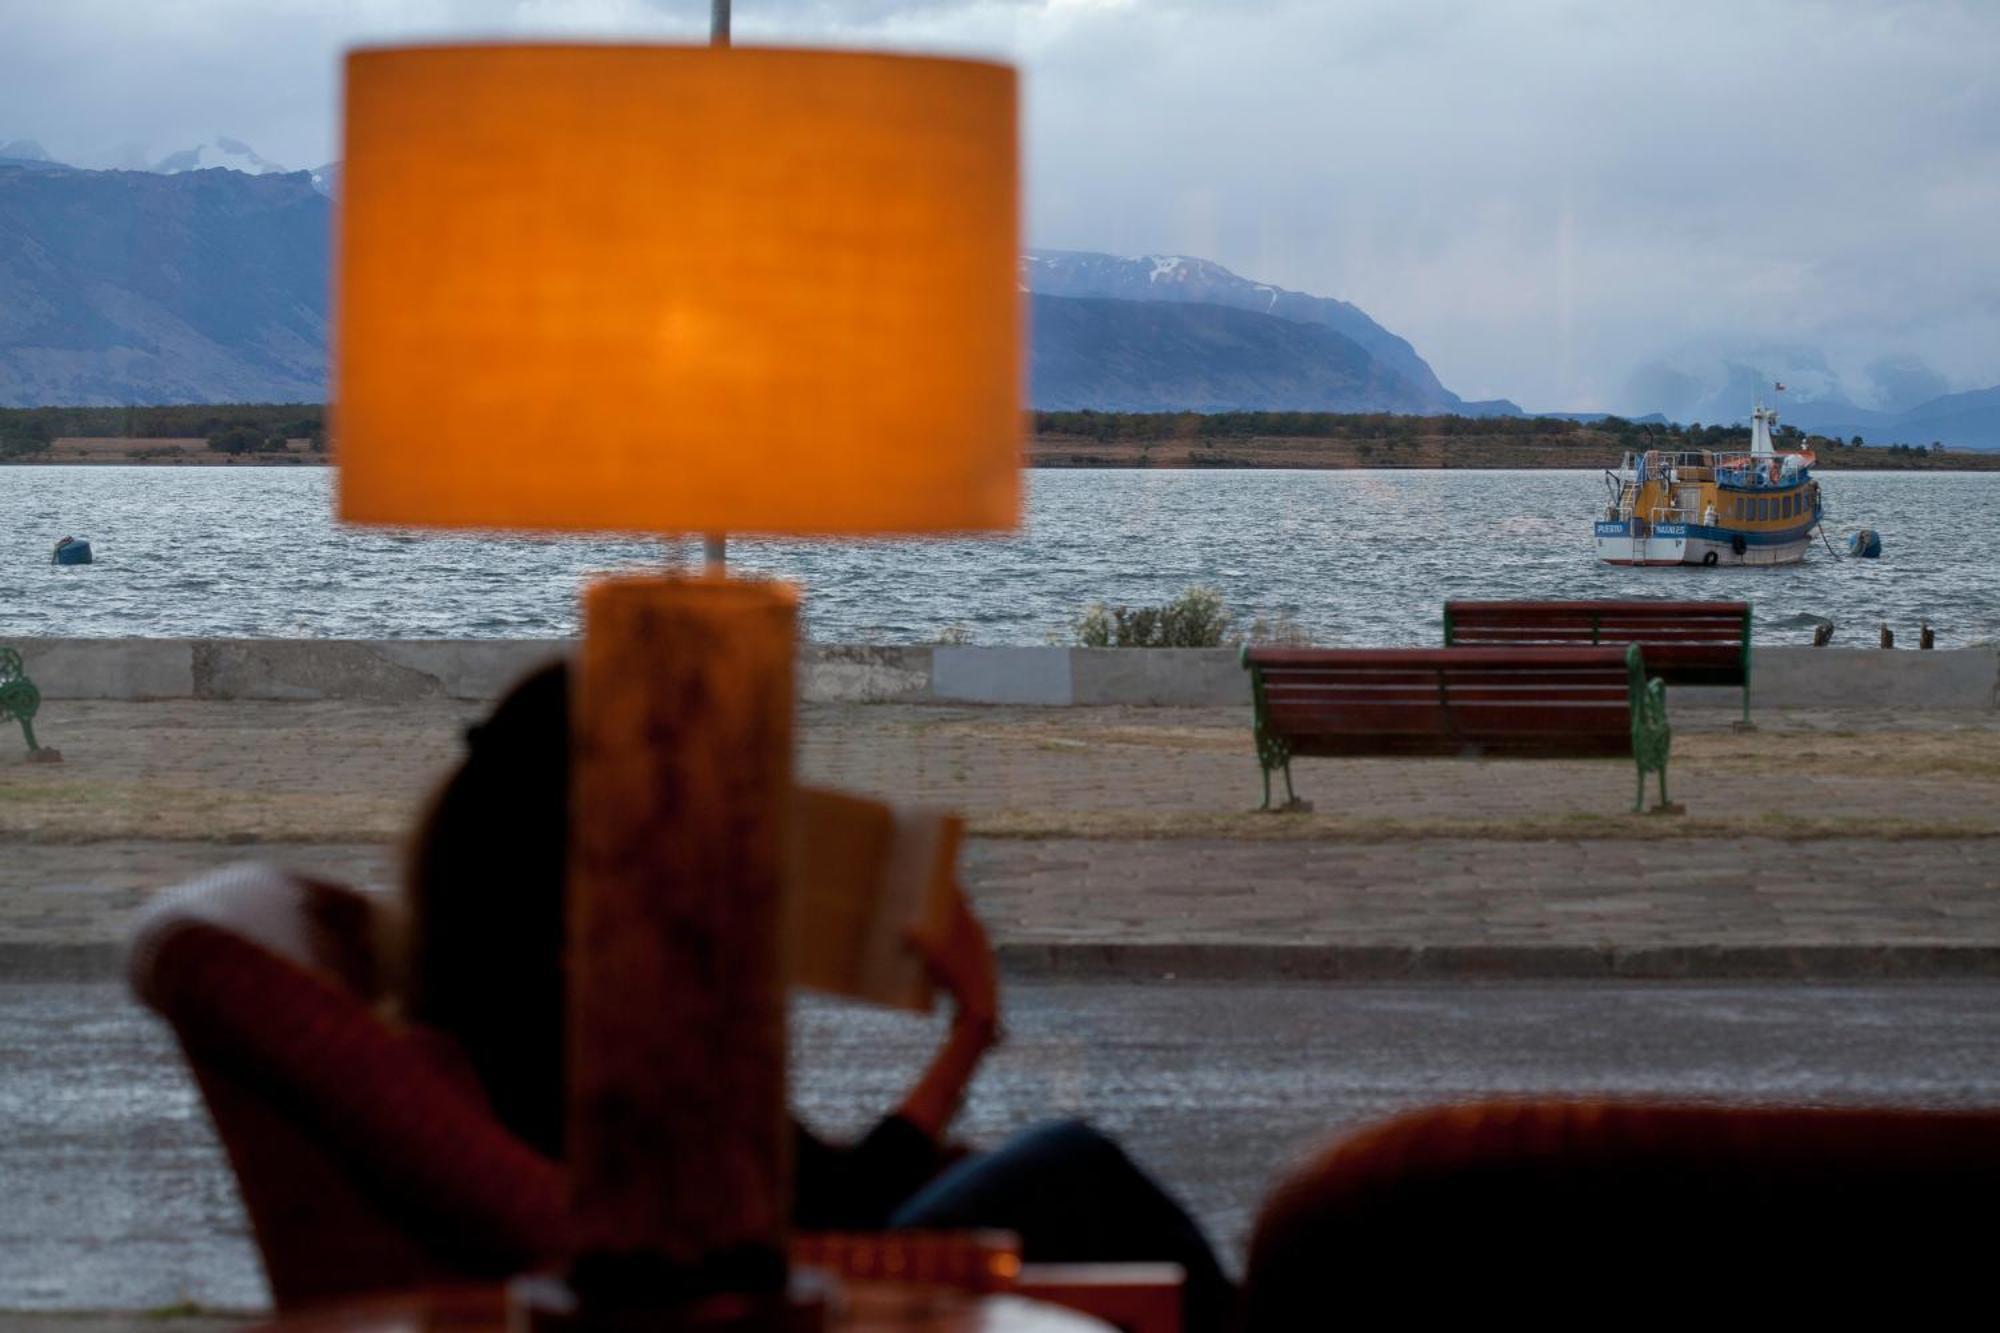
(485, 889)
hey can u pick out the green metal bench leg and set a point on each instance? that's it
(1664, 802)
(1284, 766)
(1639, 797)
(28, 730)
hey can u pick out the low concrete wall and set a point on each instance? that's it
(394, 670)
(1950, 679)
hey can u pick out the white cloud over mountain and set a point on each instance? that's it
(1544, 195)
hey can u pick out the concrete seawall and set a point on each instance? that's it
(392, 670)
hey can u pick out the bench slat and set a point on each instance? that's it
(1527, 636)
(1643, 607)
(1505, 692)
(1431, 658)
(1605, 745)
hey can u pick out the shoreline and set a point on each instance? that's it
(1432, 453)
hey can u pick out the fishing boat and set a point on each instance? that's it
(1708, 508)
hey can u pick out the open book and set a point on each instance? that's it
(863, 874)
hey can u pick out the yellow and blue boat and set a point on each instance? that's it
(1705, 508)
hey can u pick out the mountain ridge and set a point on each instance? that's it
(1147, 356)
(1191, 279)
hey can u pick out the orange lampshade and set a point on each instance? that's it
(678, 289)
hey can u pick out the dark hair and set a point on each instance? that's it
(484, 881)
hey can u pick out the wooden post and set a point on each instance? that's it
(682, 750)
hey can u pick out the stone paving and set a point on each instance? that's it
(1126, 828)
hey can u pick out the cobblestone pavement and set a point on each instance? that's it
(1445, 893)
(1123, 826)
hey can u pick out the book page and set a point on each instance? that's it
(863, 874)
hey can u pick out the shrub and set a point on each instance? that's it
(1094, 628)
(1195, 619)
(1279, 631)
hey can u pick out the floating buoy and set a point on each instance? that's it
(1867, 544)
(72, 551)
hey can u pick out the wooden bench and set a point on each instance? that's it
(1686, 643)
(1529, 703)
(19, 699)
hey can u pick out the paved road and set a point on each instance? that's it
(116, 1195)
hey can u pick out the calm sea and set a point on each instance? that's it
(1353, 557)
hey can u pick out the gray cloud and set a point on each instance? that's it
(1541, 194)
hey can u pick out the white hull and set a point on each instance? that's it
(1693, 544)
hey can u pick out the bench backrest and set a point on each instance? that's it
(1514, 701)
(1686, 643)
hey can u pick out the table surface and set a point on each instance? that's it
(867, 1308)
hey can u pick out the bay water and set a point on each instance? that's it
(1351, 557)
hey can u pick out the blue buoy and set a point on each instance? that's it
(72, 551)
(1865, 544)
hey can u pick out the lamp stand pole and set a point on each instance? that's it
(715, 546)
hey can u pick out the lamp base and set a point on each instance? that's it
(547, 1303)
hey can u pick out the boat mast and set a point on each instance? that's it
(1761, 421)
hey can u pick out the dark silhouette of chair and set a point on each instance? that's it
(366, 1161)
(1550, 1209)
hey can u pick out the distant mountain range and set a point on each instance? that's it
(1722, 385)
(203, 278)
(192, 283)
(136, 287)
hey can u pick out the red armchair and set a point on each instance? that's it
(369, 1161)
(366, 1162)
(1543, 1210)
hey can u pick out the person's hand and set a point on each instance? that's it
(960, 960)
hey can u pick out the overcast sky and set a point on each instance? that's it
(1540, 195)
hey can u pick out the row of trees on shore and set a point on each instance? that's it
(238, 428)
(1372, 430)
(205, 421)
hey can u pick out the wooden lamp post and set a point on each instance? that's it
(678, 290)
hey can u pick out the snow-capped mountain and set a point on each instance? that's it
(221, 151)
(1186, 278)
(1398, 379)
